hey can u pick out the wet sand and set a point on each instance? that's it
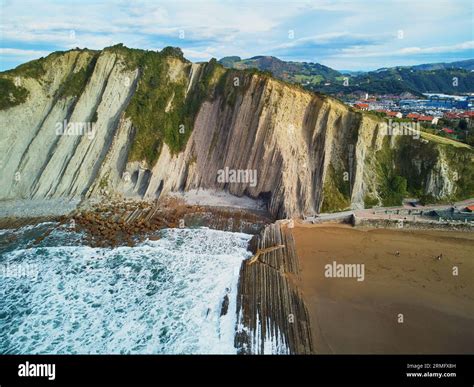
(348, 316)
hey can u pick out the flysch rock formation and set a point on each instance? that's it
(37, 162)
(311, 153)
(272, 317)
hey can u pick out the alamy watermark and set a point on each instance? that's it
(345, 270)
(395, 128)
(247, 176)
(37, 370)
(19, 270)
(65, 128)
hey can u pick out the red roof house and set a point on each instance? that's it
(425, 118)
(451, 115)
(467, 115)
(362, 106)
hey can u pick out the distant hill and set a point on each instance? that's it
(398, 80)
(425, 78)
(463, 64)
(229, 61)
(352, 72)
(305, 73)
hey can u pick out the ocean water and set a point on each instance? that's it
(161, 296)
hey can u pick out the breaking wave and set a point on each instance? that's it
(161, 296)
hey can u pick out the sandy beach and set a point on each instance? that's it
(409, 300)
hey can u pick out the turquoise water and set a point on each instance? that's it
(161, 296)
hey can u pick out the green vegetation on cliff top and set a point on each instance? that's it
(160, 110)
(76, 81)
(33, 69)
(11, 95)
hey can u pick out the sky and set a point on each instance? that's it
(342, 34)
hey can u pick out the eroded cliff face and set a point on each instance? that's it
(39, 157)
(155, 123)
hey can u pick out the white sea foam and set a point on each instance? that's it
(161, 296)
(25, 228)
(272, 343)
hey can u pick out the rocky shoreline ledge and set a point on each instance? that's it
(269, 306)
(127, 222)
(268, 295)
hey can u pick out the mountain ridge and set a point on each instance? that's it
(418, 79)
(163, 124)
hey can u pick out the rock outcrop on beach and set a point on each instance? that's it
(272, 316)
(140, 124)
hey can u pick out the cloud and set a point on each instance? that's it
(465, 46)
(204, 55)
(24, 53)
(325, 30)
(11, 57)
(335, 39)
(361, 51)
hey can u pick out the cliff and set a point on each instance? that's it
(135, 123)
